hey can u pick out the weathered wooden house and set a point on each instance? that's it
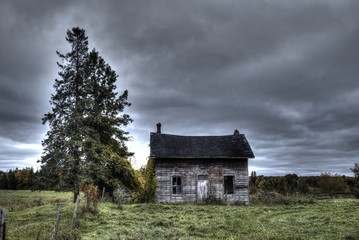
(194, 168)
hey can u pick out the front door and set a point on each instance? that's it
(202, 189)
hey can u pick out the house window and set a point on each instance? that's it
(228, 184)
(176, 185)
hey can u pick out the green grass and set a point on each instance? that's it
(327, 219)
(32, 215)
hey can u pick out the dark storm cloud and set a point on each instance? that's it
(25, 37)
(282, 72)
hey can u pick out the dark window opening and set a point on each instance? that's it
(176, 185)
(228, 184)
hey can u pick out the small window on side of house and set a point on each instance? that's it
(228, 184)
(176, 185)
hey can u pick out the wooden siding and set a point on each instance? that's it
(189, 169)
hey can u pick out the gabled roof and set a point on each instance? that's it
(175, 146)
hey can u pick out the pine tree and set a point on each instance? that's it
(105, 140)
(11, 180)
(85, 141)
(3, 180)
(355, 170)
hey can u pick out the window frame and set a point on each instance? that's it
(177, 185)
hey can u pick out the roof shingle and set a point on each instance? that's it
(175, 146)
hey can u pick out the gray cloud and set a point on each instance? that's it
(284, 73)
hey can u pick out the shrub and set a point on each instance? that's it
(147, 193)
(329, 183)
(121, 196)
(91, 195)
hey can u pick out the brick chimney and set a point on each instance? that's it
(158, 127)
(236, 133)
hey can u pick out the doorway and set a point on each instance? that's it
(202, 188)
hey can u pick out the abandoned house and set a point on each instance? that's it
(194, 168)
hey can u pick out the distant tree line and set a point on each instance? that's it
(44, 179)
(294, 184)
(18, 179)
(28, 179)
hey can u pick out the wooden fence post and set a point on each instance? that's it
(103, 194)
(74, 219)
(56, 227)
(2, 224)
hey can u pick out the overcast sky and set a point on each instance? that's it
(284, 73)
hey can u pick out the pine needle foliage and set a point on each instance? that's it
(86, 142)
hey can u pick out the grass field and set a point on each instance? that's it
(31, 215)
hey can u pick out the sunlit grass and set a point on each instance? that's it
(31, 215)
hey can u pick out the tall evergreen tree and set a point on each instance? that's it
(11, 180)
(3, 180)
(85, 123)
(355, 170)
(105, 139)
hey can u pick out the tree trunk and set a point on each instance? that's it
(76, 192)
